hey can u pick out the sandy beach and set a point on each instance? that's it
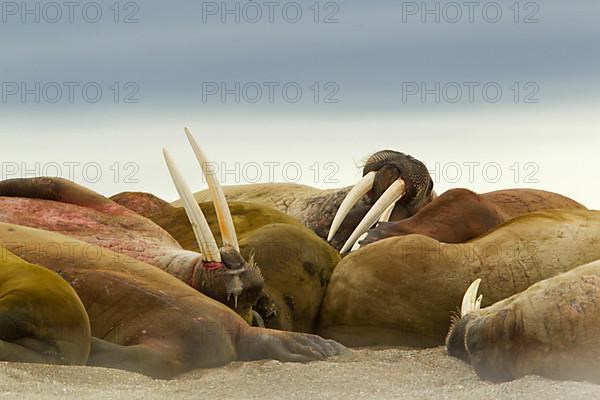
(371, 373)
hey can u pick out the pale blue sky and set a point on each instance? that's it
(364, 61)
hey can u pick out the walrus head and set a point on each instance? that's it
(222, 273)
(394, 183)
(455, 341)
(481, 340)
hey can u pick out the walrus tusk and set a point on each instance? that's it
(390, 196)
(218, 197)
(353, 197)
(470, 301)
(385, 217)
(205, 238)
(260, 322)
(356, 245)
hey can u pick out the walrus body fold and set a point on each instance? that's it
(551, 329)
(403, 290)
(42, 319)
(144, 320)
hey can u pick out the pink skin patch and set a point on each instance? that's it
(211, 266)
(110, 226)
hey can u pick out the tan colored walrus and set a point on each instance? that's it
(551, 329)
(147, 321)
(41, 318)
(403, 290)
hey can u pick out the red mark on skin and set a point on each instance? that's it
(123, 231)
(194, 280)
(211, 266)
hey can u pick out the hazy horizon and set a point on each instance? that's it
(367, 82)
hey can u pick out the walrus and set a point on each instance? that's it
(551, 329)
(42, 320)
(62, 206)
(324, 211)
(459, 215)
(295, 263)
(402, 290)
(147, 321)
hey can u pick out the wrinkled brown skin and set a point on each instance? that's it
(62, 206)
(41, 318)
(459, 215)
(295, 263)
(146, 321)
(316, 208)
(551, 329)
(403, 290)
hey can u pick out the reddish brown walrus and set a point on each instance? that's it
(146, 321)
(59, 205)
(551, 329)
(459, 215)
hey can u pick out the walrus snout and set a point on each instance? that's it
(455, 341)
(232, 259)
(487, 343)
(396, 186)
(389, 166)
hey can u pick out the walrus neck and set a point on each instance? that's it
(182, 264)
(319, 211)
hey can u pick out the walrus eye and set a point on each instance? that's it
(470, 301)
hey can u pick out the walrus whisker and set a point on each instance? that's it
(392, 194)
(223, 213)
(470, 301)
(204, 236)
(353, 197)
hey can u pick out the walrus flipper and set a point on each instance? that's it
(288, 346)
(31, 350)
(55, 189)
(139, 358)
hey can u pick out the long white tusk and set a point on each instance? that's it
(204, 236)
(390, 196)
(470, 301)
(385, 217)
(356, 245)
(216, 192)
(353, 197)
